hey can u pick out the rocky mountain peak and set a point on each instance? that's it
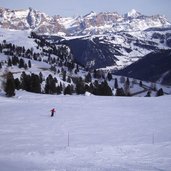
(133, 14)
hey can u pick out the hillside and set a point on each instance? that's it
(153, 67)
(52, 69)
(87, 133)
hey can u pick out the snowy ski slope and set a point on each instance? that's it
(88, 133)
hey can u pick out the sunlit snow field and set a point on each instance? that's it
(88, 133)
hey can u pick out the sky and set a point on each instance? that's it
(82, 7)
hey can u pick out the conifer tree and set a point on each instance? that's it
(50, 86)
(80, 89)
(64, 76)
(109, 76)
(127, 87)
(141, 84)
(120, 92)
(148, 94)
(25, 81)
(41, 77)
(105, 90)
(9, 62)
(29, 64)
(21, 63)
(17, 84)
(88, 78)
(15, 60)
(116, 83)
(9, 85)
(67, 90)
(160, 92)
(35, 83)
(69, 79)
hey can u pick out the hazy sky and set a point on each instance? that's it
(82, 7)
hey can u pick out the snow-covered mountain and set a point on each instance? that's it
(105, 40)
(29, 19)
(92, 23)
(155, 66)
(116, 50)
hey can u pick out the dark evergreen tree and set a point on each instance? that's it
(69, 79)
(148, 94)
(120, 92)
(105, 90)
(141, 84)
(35, 83)
(160, 92)
(80, 89)
(25, 66)
(95, 73)
(25, 81)
(89, 88)
(127, 81)
(50, 86)
(116, 83)
(29, 64)
(15, 60)
(17, 84)
(68, 90)
(88, 78)
(9, 62)
(41, 77)
(58, 90)
(102, 89)
(21, 63)
(1, 48)
(64, 75)
(61, 87)
(109, 76)
(9, 85)
(127, 87)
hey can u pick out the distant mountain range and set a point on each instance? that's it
(92, 23)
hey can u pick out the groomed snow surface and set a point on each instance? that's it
(87, 133)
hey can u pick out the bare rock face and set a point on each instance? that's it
(28, 19)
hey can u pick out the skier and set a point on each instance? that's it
(52, 112)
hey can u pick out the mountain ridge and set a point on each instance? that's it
(92, 23)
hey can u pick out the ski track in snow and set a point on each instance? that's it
(105, 133)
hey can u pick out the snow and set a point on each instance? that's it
(19, 38)
(21, 13)
(133, 13)
(87, 133)
(91, 15)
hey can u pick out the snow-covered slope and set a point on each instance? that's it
(87, 133)
(18, 37)
(121, 49)
(116, 49)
